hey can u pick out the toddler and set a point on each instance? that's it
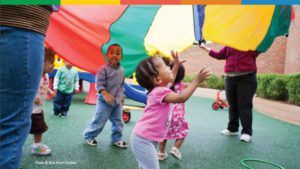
(109, 84)
(38, 124)
(66, 82)
(153, 74)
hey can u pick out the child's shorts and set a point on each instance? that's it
(38, 124)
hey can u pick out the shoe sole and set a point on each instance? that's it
(92, 144)
(174, 155)
(37, 154)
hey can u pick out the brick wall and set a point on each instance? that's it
(282, 57)
(292, 60)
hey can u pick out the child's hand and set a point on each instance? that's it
(37, 100)
(52, 93)
(203, 74)
(176, 58)
(122, 101)
(109, 99)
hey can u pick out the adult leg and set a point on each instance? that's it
(21, 63)
(117, 124)
(101, 116)
(230, 89)
(245, 91)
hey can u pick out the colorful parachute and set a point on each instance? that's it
(82, 34)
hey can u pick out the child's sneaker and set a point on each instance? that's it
(226, 132)
(176, 153)
(92, 142)
(64, 114)
(121, 144)
(162, 156)
(42, 149)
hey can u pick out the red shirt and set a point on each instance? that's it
(236, 61)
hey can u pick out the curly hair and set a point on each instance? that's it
(115, 44)
(146, 72)
(49, 55)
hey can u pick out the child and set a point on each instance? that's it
(66, 82)
(110, 98)
(178, 128)
(38, 125)
(155, 76)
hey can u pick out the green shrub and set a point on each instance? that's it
(293, 87)
(189, 78)
(215, 82)
(264, 81)
(277, 89)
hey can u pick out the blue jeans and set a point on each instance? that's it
(102, 114)
(62, 103)
(21, 63)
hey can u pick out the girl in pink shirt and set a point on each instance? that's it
(153, 74)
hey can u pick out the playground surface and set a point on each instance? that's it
(204, 148)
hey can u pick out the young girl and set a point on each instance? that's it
(178, 128)
(38, 124)
(109, 84)
(153, 74)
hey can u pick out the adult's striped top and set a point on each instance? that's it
(32, 17)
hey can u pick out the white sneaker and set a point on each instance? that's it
(226, 132)
(245, 138)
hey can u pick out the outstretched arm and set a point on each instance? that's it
(176, 65)
(187, 92)
(221, 54)
(206, 48)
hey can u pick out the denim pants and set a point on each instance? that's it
(62, 102)
(239, 93)
(102, 114)
(21, 63)
(144, 152)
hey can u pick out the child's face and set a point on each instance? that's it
(48, 66)
(68, 65)
(165, 75)
(114, 55)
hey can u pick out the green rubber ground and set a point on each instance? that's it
(204, 148)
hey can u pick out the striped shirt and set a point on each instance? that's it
(32, 17)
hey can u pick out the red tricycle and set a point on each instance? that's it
(219, 103)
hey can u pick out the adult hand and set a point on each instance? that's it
(206, 48)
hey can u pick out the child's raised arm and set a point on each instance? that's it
(176, 65)
(187, 92)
